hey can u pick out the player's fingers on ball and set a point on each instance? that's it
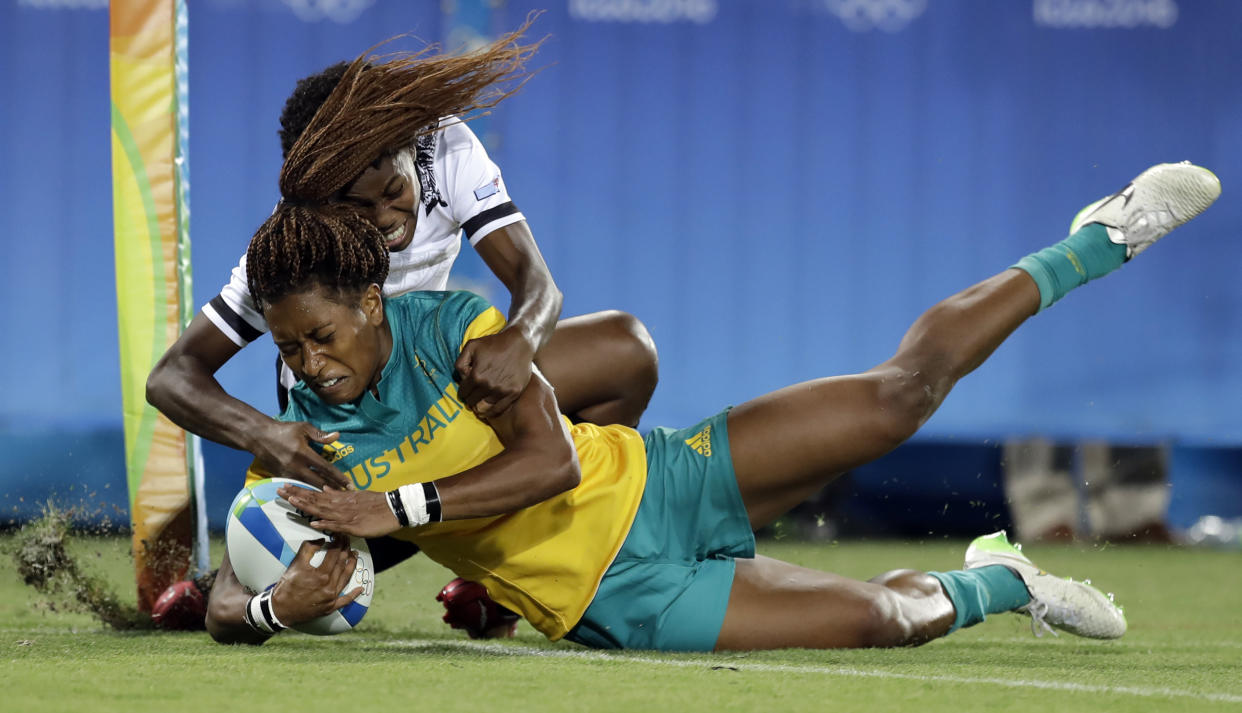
(348, 597)
(307, 549)
(293, 495)
(341, 578)
(324, 525)
(341, 562)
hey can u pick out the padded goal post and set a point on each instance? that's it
(150, 190)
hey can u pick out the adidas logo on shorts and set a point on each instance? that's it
(701, 442)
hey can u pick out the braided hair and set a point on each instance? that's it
(308, 95)
(377, 108)
(372, 109)
(301, 247)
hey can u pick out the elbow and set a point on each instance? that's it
(568, 473)
(221, 635)
(162, 381)
(572, 477)
(230, 631)
(155, 389)
(558, 299)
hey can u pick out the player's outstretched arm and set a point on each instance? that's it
(539, 462)
(495, 369)
(304, 592)
(184, 388)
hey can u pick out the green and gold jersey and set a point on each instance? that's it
(544, 562)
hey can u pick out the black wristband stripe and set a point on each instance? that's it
(433, 501)
(398, 508)
(265, 607)
(250, 622)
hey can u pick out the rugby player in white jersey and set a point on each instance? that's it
(424, 189)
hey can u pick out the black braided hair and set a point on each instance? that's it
(301, 247)
(379, 107)
(308, 95)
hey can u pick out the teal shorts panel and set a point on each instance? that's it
(668, 587)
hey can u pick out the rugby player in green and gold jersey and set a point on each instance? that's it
(618, 540)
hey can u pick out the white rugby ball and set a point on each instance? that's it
(263, 534)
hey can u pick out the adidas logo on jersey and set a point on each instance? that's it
(701, 442)
(336, 450)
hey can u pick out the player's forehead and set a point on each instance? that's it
(305, 311)
(374, 180)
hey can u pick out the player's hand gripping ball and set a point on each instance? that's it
(263, 534)
(469, 607)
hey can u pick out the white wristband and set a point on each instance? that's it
(421, 502)
(260, 616)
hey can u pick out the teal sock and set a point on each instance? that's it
(975, 593)
(1081, 257)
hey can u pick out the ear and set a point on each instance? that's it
(373, 304)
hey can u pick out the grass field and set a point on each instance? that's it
(1183, 652)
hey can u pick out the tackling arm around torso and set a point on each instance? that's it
(494, 369)
(538, 462)
(183, 387)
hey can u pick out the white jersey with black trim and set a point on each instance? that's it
(462, 191)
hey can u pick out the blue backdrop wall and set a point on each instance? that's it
(776, 187)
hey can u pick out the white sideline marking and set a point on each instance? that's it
(825, 670)
(1145, 645)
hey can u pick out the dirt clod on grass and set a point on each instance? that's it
(45, 564)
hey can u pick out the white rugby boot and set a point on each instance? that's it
(1160, 199)
(1056, 603)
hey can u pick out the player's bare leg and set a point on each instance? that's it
(603, 366)
(774, 604)
(788, 444)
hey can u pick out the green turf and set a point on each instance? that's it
(1183, 652)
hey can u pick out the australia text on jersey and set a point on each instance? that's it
(435, 422)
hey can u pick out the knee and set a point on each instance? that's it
(218, 631)
(905, 399)
(883, 622)
(634, 347)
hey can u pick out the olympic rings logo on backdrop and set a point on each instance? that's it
(341, 12)
(867, 15)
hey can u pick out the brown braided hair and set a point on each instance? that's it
(378, 108)
(300, 247)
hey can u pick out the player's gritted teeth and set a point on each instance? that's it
(398, 237)
(325, 387)
(332, 341)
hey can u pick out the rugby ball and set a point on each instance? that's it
(263, 534)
